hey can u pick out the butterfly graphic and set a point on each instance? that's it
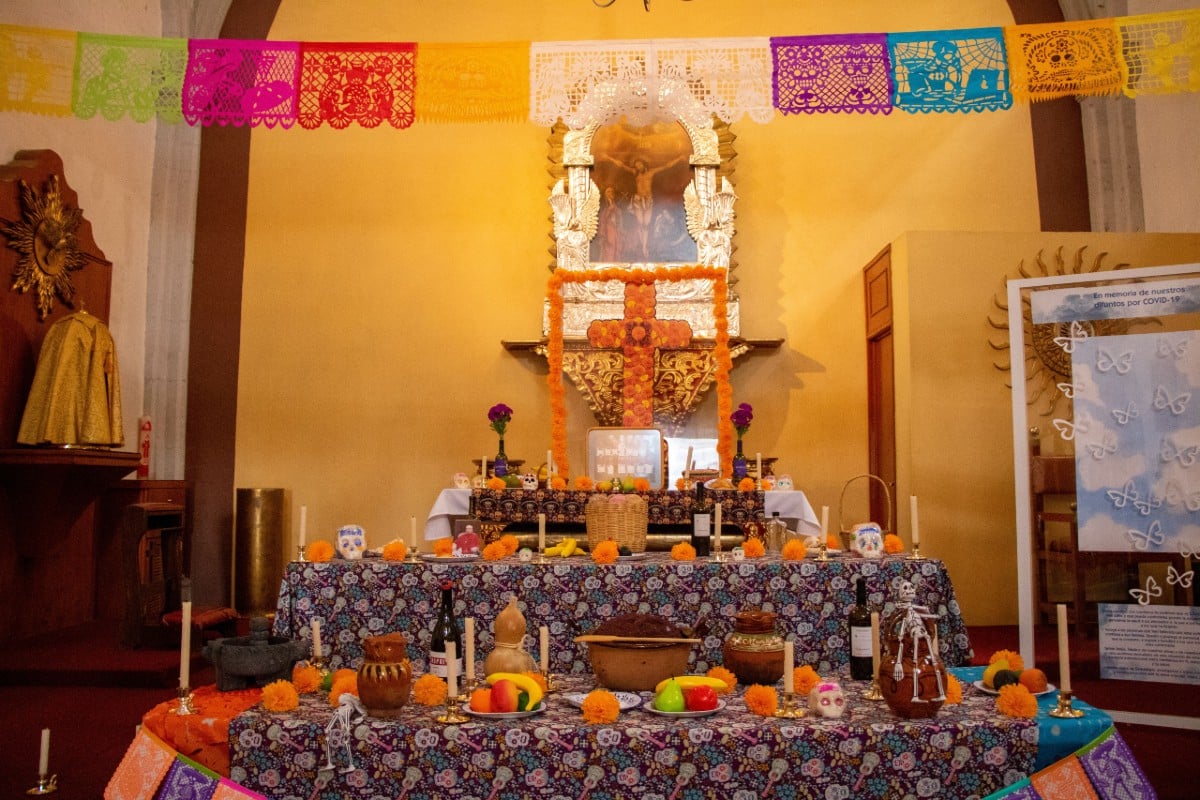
(1163, 401)
(1122, 363)
(1176, 496)
(1168, 451)
(1127, 494)
(1144, 507)
(1068, 389)
(1151, 536)
(1168, 348)
(1078, 334)
(1176, 578)
(1193, 552)
(1124, 415)
(1067, 429)
(1143, 596)
(1105, 447)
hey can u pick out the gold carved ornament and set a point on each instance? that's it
(45, 240)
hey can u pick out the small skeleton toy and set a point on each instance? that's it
(337, 733)
(913, 624)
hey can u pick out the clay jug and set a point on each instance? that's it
(385, 677)
(754, 651)
(509, 631)
(897, 671)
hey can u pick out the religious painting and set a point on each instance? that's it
(642, 173)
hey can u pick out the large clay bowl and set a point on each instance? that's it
(636, 667)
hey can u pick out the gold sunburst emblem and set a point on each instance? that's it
(45, 239)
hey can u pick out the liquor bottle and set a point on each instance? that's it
(445, 629)
(701, 524)
(861, 661)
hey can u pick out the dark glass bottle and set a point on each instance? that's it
(445, 629)
(701, 524)
(861, 659)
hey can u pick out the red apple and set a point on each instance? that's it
(505, 696)
(700, 698)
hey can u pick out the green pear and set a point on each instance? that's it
(670, 698)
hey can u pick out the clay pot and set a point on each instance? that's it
(927, 667)
(385, 677)
(637, 667)
(754, 651)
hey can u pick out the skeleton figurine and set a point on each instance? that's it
(912, 624)
(337, 733)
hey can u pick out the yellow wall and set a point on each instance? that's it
(383, 267)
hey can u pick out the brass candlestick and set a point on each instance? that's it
(916, 554)
(1064, 709)
(791, 709)
(185, 706)
(551, 686)
(823, 548)
(873, 693)
(47, 784)
(300, 553)
(452, 715)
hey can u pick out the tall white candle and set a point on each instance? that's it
(758, 466)
(717, 528)
(483, 468)
(789, 666)
(316, 634)
(541, 533)
(469, 646)
(412, 531)
(44, 754)
(916, 529)
(549, 467)
(185, 647)
(303, 525)
(1064, 652)
(451, 669)
(544, 635)
(824, 521)
(874, 644)
(687, 465)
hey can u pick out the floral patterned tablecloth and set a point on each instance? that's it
(357, 599)
(966, 751)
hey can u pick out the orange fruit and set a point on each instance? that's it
(1034, 680)
(481, 701)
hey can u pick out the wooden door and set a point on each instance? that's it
(881, 384)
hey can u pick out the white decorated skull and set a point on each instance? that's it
(784, 483)
(529, 481)
(352, 540)
(826, 699)
(460, 480)
(868, 539)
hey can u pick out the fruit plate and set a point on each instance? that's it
(448, 559)
(632, 557)
(626, 700)
(649, 706)
(539, 708)
(1050, 687)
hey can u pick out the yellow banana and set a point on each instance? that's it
(685, 681)
(569, 547)
(554, 551)
(523, 682)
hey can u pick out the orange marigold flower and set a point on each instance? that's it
(953, 690)
(804, 678)
(1015, 662)
(762, 700)
(600, 706)
(494, 551)
(537, 678)
(1016, 701)
(753, 547)
(833, 542)
(683, 552)
(510, 543)
(605, 552)
(429, 690)
(641, 485)
(280, 696)
(305, 677)
(443, 547)
(794, 550)
(319, 551)
(893, 544)
(768, 484)
(722, 674)
(343, 673)
(395, 550)
(495, 483)
(558, 483)
(681, 484)
(746, 485)
(341, 686)
(583, 483)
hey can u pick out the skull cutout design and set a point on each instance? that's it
(352, 540)
(868, 540)
(826, 700)
(529, 481)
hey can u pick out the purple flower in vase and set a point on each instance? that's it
(741, 419)
(498, 417)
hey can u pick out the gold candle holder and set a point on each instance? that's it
(1064, 709)
(873, 693)
(414, 554)
(300, 556)
(551, 686)
(452, 715)
(47, 784)
(185, 706)
(790, 709)
(916, 554)
(468, 686)
(823, 548)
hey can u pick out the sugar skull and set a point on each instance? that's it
(826, 700)
(352, 540)
(529, 481)
(460, 481)
(868, 539)
(784, 483)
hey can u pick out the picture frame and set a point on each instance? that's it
(626, 453)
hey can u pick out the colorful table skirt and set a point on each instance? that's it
(967, 750)
(357, 599)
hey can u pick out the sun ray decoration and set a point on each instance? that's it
(49, 251)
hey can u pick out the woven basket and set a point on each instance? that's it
(623, 521)
(844, 531)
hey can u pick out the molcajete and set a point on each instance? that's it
(385, 677)
(255, 660)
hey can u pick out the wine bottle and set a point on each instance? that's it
(861, 661)
(445, 629)
(701, 524)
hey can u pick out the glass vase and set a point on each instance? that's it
(500, 462)
(740, 468)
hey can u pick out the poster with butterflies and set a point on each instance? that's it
(1137, 441)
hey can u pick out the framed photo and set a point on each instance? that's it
(625, 453)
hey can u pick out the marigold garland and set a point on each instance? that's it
(305, 677)
(747, 485)
(753, 547)
(893, 544)
(683, 552)
(953, 690)
(319, 551)
(280, 696)
(1016, 701)
(1015, 662)
(600, 706)
(341, 686)
(443, 547)
(794, 550)
(429, 690)
(722, 674)
(510, 543)
(605, 552)
(494, 551)
(762, 700)
(804, 678)
(395, 550)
